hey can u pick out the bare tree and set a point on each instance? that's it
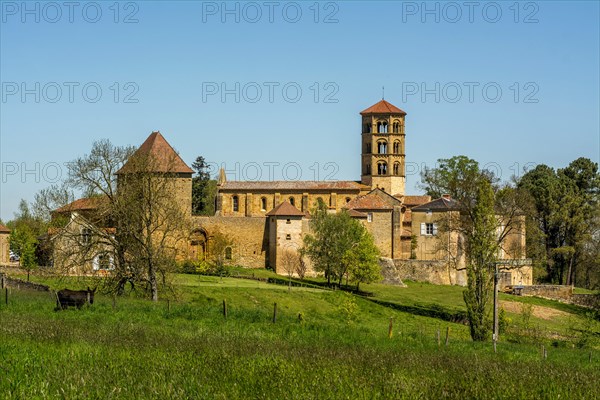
(291, 263)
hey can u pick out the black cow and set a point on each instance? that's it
(74, 298)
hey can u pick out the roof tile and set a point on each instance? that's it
(161, 152)
(382, 107)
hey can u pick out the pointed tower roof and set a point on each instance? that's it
(285, 209)
(222, 177)
(165, 157)
(383, 107)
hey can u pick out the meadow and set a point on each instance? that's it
(324, 344)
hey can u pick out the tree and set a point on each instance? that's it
(137, 207)
(563, 219)
(332, 239)
(480, 231)
(362, 261)
(291, 263)
(481, 249)
(220, 251)
(204, 189)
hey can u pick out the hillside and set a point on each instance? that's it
(338, 347)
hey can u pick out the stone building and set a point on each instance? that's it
(266, 220)
(4, 245)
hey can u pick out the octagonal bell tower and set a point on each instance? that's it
(383, 158)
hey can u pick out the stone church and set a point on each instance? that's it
(265, 219)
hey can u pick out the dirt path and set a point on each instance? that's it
(537, 311)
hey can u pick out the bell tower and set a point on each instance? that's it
(382, 159)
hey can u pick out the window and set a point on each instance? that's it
(382, 168)
(396, 147)
(348, 199)
(235, 204)
(382, 127)
(368, 151)
(428, 229)
(369, 217)
(382, 147)
(86, 236)
(367, 128)
(368, 169)
(292, 201)
(228, 253)
(102, 262)
(288, 221)
(288, 237)
(396, 127)
(263, 204)
(397, 169)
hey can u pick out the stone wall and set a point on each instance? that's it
(432, 271)
(555, 292)
(4, 248)
(6, 281)
(586, 300)
(250, 237)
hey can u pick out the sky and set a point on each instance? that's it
(273, 89)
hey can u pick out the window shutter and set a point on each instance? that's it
(423, 229)
(435, 229)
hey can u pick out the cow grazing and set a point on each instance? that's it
(74, 298)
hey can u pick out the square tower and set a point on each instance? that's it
(383, 158)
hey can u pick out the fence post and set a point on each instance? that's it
(438, 337)
(274, 312)
(225, 309)
(391, 327)
(447, 335)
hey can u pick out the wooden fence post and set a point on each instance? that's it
(390, 329)
(225, 309)
(447, 335)
(438, 337)
(274, 312)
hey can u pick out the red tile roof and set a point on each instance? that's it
(356, 214)
(85, 204)
(383, 107)
(376, 199)
(292, 185)
(4, 229)
(441, 204)
(162, 154)
(285, 209)
(415, 200)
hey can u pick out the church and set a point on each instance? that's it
(264, 219)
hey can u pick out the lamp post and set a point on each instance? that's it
(495, 329)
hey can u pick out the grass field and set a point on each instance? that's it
(339, 348)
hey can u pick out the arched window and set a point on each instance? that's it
(368, 148)
(292, 201)
(367, 128)
(228, 253)
(396, 147)
(263, 204)
(381, 168)
(348, 199)
(396, 168)
(368, 169)
(382, 127)
(382, 147)
(235, 204)
(396, 127)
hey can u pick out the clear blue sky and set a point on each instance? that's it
(543, 56)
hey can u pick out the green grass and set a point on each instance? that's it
(340, 349)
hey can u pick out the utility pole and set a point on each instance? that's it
(496, 279)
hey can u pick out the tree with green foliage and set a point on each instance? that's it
(481, 247)
(335, 240)
(480, 231)
(362, 261)
(204, 189)
(564, 222)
